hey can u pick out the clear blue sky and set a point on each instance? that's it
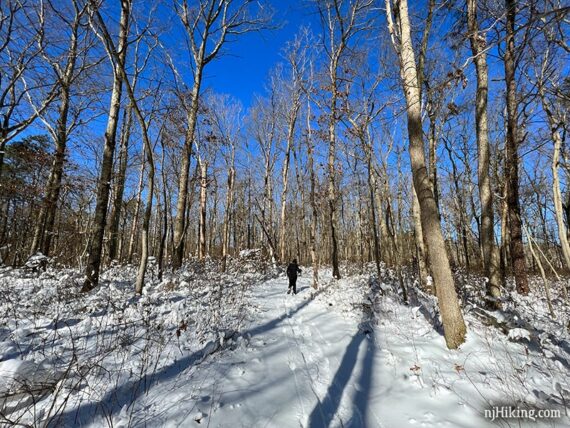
(244, 72)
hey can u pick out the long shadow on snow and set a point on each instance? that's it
(128, 393)
(325, 410)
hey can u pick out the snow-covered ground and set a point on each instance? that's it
(234, 350)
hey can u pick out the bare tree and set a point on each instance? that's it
(512, 157)
(69, 68)
(104, 182)
(208, 24)
(226, 116)
(291, 106)
(24, 93)
(342, 21)
(453, 323)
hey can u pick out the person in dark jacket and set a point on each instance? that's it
(292, 271)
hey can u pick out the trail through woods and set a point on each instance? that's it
(204, 348)
(306, 362)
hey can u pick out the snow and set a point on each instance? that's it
(204, 348)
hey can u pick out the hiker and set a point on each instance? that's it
(292, 271)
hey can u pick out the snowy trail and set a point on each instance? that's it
(303, 366)
(302, 362)
(352, 356)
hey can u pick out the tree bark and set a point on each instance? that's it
(104, 182)
(421, 252)
(138, 201)
(332, 197)
(285, 175)
(120, 185)
(312, 196)
(180, 219)
(202, 247)
(453, 323)
(227, 214)
(487, 233)
(557, 195)
(46, 220)
(512, 162)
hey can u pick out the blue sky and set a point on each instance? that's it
(244, 72)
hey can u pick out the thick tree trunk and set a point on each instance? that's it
(487, 233)
(512, 161)
(453, 323)
(104, 182)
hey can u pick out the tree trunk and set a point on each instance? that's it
(46, 221)
(45, 224)
(227, 215)
(165, 210)
(557, 195)
(453, 323)
(147, 214)
(285, 176)
(332, 199)
(180, 220)
(104, 182)
(312, 196)
(512, 161)
(421, 253)
(202, 248)
(135, 224)
(120, 185)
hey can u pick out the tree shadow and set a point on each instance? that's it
(324, 412)
(127, 394)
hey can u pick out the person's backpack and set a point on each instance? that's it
(291, 271)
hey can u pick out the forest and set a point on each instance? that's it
(162, 162)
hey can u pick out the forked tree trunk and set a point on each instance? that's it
(453, 323)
